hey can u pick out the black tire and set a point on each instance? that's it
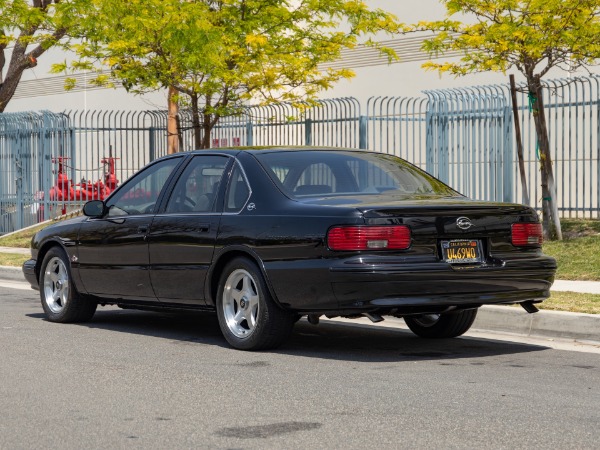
(248, 316)
(60, 300)
(447, 325)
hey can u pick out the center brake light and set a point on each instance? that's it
(359, 237)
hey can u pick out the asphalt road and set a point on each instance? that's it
(148, 380)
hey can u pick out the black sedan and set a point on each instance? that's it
(266, 236)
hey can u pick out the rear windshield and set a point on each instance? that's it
(323, 173)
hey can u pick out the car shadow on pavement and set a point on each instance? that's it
(328, 340)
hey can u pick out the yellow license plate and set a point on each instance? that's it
(461, 251)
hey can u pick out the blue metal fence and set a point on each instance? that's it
(463, 136)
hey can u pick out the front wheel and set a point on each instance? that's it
(60, 300)
(248, 316)
(447, 325)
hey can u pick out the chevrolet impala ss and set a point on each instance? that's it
(266, 236)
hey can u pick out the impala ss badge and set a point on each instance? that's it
(251, 207)
(464, 223)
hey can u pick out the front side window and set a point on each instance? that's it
(140, 194)
(197, 188)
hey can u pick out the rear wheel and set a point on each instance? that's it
(248, 316)
(60, 300)
(441, 325)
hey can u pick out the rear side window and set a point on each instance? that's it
(238, 191)
(329, 172)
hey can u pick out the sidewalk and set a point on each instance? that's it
(20, 251)
(501, 319)
(584, 287)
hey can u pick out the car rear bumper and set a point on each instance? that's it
(30, 274)
(440, 284)
(357, 285)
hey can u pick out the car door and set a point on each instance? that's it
(112, 250)
(182, 237)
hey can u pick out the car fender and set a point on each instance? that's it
(220, 258)
(70, 248)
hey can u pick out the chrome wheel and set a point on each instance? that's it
(240, 303)
(56, 285)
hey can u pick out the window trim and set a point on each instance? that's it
(229, 180)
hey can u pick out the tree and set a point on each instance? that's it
(27, 30)
(220, 54)
(532, 36)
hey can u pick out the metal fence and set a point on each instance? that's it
(51, 162)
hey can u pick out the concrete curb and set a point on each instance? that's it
(11, 273)
(501, 319)
(552, 324)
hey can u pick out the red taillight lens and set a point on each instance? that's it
(524, 234)
(369, 238)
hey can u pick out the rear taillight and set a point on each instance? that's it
(524, 234)
(395, 237)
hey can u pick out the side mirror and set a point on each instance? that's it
(94, 208)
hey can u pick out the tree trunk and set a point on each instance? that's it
(515, 108)
(206, 129)
(551, 221)
(19, 62)
(172, 128)
(196, 122)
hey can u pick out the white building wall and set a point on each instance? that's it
(374, 76)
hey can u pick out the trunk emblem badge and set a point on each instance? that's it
(464, 223)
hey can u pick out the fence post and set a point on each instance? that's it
(429, 153)
(19, 181)
(444, 144)
(363, 132)
(507, 157)
(308, 138)
(249, 134)
(151, 144)
(47, 181)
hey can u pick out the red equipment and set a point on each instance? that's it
(65, 190)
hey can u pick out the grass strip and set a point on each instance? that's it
(12, 259)
(577, 258)
(572, 302)
(21, 239)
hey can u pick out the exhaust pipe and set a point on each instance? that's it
(529, 307)
(313, 319)
(373, 317)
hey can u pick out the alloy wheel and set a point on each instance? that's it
(56, 285)
(240, 303)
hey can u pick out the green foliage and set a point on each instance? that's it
(27, 30)
(530, 35)
(226, 52)
(23, 22)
